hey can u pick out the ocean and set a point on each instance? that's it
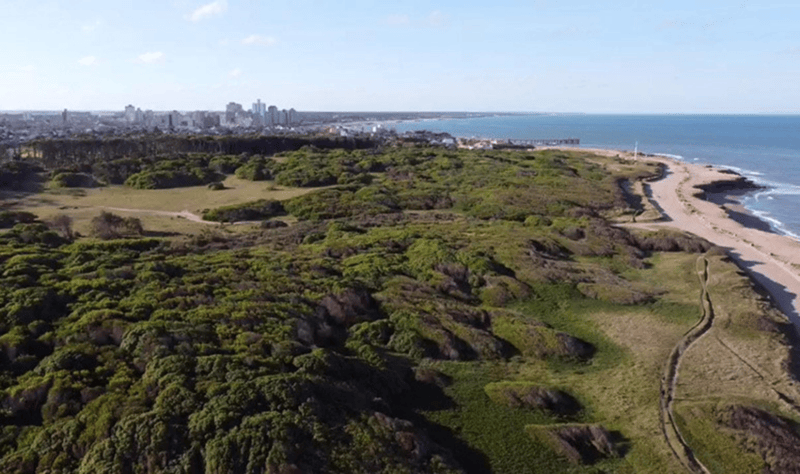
(764, 148)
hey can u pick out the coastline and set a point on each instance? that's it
(770, 258)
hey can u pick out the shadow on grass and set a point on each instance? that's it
(470, 459)
(424, 396)
(621, 443)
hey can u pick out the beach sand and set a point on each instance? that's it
(771, 259)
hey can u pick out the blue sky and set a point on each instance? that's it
(547, 55)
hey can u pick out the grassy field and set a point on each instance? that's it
(82, 204)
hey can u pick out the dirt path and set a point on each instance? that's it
(669, 381)
(181, 215)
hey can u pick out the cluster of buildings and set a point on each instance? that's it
(234, 116)
(259, 116)
(17, 127)
(20, 126)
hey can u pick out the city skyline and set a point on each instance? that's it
(573, 56)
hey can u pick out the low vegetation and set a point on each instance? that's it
(424, 310)
(249, 211)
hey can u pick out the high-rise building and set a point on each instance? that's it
(231, 111)
(273, 116)
(130, 114)
(259, 111)
(259, 108)
(234, 108)
(292, 117)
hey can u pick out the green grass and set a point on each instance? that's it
(562, 307)
(496, 431)
(193, 198)
(84, 204)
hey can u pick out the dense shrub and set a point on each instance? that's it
(311, 167)
(249, 211)
(257, 168)
(171, 179)
(226, 164)
(73, 180)
(111, 226)
(335, 203)
(33, 233)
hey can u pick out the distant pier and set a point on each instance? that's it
(546, 142)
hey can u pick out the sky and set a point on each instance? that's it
(588, 56)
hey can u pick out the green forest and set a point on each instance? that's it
(424, 310)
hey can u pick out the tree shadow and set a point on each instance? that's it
(621, 443)
(429, 396)
(468, 458)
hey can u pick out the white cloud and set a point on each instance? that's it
(209, 10)
(153, 57)
(260, 40)
(235, 73)
(87, 61)
(398, 20)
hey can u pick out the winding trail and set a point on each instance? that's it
(669, 380)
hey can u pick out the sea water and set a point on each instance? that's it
(764, 148)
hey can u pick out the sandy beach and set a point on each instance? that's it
(771, 259)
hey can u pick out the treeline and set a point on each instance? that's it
(161, 161)
(80, 152)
